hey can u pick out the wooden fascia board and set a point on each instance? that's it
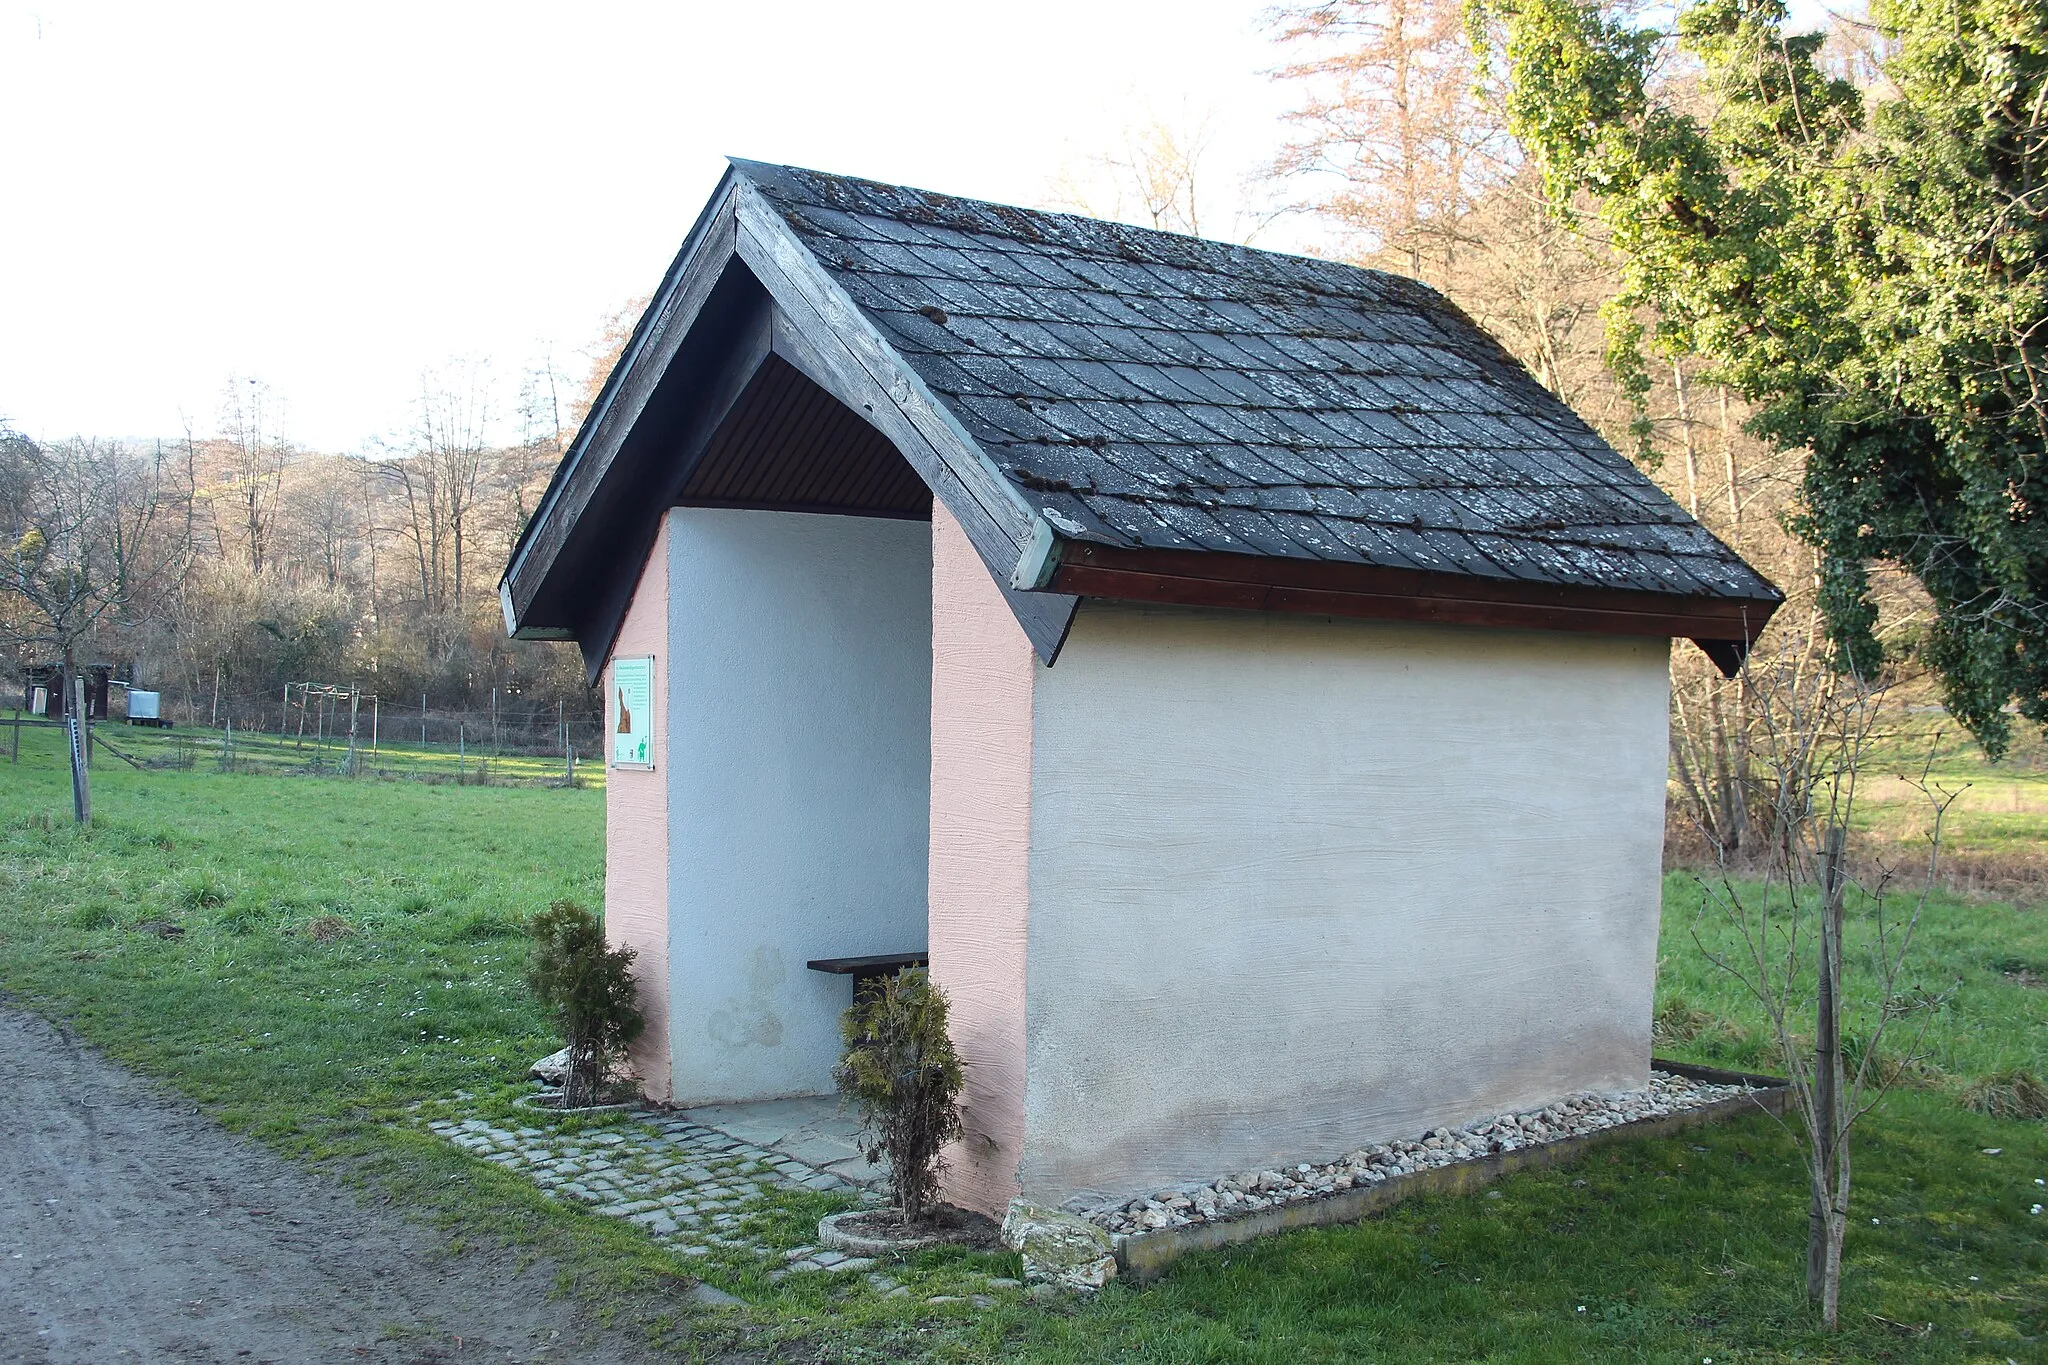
(720, 394)
(691, 277)
(824, 334)
(1325, 588)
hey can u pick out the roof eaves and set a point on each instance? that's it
(604, 427)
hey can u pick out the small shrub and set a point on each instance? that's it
(1888, 1069)
(900, 1069)
(2016, 1094)
(587, 987)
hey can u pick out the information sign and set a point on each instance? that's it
(631, 707)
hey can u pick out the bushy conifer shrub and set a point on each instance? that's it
(900, 1069)
(587, 987)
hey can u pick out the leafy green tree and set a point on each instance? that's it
(1864, 266)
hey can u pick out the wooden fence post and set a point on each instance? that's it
(81, 783)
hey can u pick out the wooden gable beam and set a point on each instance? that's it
(688, 285)
(719, 392)
(826, 336)
(816, 328)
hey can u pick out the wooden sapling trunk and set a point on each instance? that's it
(1788, 917)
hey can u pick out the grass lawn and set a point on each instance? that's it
(352, 947)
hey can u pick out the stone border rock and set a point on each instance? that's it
(1145, 1255)
(830, 1234)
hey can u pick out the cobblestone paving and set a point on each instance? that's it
(689, 1185)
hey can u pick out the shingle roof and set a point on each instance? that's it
(1147, 390)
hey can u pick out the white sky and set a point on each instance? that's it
(338, 197)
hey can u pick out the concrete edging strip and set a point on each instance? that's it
(1144, 1256)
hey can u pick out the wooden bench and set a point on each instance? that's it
(867, 971)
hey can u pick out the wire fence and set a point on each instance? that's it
(520, 755)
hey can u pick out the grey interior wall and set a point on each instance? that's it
(799, 760)
(1301, 884)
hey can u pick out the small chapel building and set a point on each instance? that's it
(1244, 682)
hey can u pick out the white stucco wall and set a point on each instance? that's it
(799, 755)
(1299, 884)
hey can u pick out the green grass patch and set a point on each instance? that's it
(350, 948)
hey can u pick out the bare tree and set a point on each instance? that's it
(1789, 917)
(79, 523)
(541, 411)
(454, 417)
(1155, 179)
(1396, 140)
(250, 455)
(80, 520)
(322, 517)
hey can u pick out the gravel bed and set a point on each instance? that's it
(1574, 1116)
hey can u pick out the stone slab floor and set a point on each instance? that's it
(690, 1177)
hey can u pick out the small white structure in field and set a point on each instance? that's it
(1244, 682)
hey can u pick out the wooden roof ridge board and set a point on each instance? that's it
(1119, 412)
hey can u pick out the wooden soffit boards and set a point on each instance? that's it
(787, 445)
(1724, 628)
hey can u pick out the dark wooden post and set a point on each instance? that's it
(81, 783)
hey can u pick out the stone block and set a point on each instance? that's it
(1059, 1249)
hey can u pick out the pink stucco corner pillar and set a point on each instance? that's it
(982, 672)
(636, 842)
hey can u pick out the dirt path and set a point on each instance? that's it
(132, 1228)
